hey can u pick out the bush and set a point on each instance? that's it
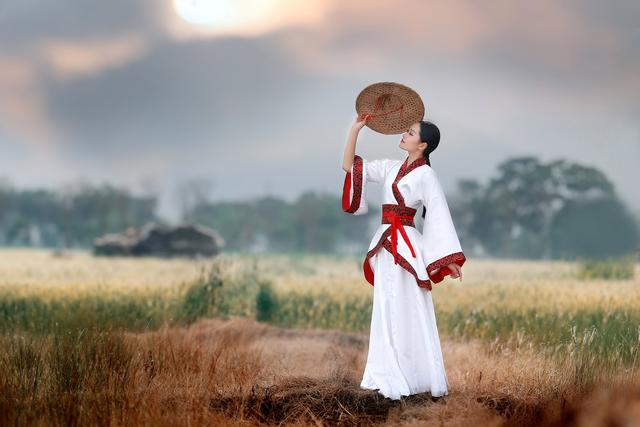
(266, 302)
(200, 299)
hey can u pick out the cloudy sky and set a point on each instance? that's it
(258, 96)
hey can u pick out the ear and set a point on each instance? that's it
(423, 146)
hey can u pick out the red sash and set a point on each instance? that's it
(398, 216)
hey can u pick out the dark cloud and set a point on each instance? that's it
(272, 112)
(226, 92)
(26, 22)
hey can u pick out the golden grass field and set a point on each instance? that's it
(119, 341)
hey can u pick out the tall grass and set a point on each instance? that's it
(97, 377)
(622, 268)
(220, 289)
(545, 305)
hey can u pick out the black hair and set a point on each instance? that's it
(430, 134)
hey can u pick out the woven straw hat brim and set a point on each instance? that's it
(393, 107)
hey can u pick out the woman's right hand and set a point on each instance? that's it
(360, 121)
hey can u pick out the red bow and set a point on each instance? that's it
(395, 226)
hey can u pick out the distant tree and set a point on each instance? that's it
(597, 228)
(464, 206)
(72, 216)
(275, 219)
(513, 214)
(193, 192)
(234, 220)
(315, 218)
(313, 222)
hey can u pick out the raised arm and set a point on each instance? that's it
(350, 147)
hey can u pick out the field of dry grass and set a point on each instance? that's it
(158, 342)
(237, 372)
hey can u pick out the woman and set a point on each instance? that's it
(404, 347)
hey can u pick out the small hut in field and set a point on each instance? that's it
(153, 239)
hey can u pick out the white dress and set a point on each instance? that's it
(404, 355)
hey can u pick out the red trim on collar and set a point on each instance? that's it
(404, 171)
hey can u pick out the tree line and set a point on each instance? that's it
(528, 209)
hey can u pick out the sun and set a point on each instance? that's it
(218, 13)
(242, 17)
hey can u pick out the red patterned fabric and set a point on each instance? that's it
(384, 242)
(405, 264)
(400, 211)
(397, 224)
(404, 170)
(351, 204)
(398, 216)
(439, 269)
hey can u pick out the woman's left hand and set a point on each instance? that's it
(456, 271)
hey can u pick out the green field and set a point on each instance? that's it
(544, 304)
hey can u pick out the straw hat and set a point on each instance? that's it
(393, 107)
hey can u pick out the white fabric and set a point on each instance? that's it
(420, 187)
(404, 355)
(404, 347)
(439, 237)
(372, 171)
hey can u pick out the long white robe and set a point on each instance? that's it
(404, 355)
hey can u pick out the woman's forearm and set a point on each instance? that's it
(350, 149)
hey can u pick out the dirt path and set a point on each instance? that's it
(314, 375)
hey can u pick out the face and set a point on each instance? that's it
(411, 139)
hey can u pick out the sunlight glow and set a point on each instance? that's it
(210, 18)
(218, 13)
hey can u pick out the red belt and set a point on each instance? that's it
(398, 216)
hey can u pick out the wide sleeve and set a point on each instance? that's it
(440, 244)
(354, 189)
